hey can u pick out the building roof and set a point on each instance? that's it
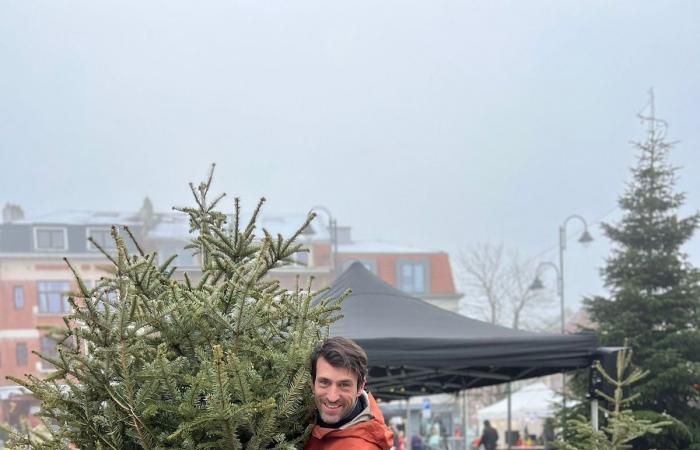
(381, 247)
(83, 217)
(175, 225)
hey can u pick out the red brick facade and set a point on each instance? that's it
(440, 271)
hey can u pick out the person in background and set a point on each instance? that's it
(416, 442)
(402, 441)
(435, 440)
(489, 436)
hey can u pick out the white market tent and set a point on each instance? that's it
(530, 406)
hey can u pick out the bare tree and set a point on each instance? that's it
(497, 284)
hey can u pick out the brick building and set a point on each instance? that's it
(34, 279)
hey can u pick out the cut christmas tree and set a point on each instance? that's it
(149, 360)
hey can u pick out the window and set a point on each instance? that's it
(302, 257)
(103, 294)
(48, 348)
(413, 276)
(369, 264)
(50, 239)
(184, 256)
(21, 354)
(103, 238)
(108, 298)
(18, 295)
(52, 297)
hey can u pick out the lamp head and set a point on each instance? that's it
(586, 237)
(536, 284)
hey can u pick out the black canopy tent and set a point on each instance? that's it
(415, 348)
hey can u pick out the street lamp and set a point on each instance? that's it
(333, 232)
(584, 239)
(537, 283)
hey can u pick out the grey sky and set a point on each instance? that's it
(433, 123)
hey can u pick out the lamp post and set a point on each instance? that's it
(333, 234)
(584, 239)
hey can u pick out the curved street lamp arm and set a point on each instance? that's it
(324, 209)
(548, 264)
(562, 230)
(333, 234)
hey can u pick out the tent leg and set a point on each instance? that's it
(508, 433)
(465, 418)
(407, 426)
(594, 414)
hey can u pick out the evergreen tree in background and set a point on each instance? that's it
(151, 362)
(654, 291)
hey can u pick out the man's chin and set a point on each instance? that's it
(330, 420)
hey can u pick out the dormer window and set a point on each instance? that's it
(303, 258)
(50, 238)
(184, 258)
(413, 276)
(103, 238)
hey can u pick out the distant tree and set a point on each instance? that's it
(498, 287)
(654, 291)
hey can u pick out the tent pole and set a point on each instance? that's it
(465, 418)
(508, 433)
(407, 426)
(594, 413)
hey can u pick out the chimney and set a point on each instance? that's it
(12, 212)
(146, 214)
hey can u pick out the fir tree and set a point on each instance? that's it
(621, 426)
(654, 291)
(148, 361)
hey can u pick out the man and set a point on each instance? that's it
(347, 417)
(489, 436)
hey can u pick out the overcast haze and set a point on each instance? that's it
(438, 124)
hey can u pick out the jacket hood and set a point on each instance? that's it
(368, 425)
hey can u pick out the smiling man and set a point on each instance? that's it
(347, 417)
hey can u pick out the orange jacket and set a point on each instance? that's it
(366, 432)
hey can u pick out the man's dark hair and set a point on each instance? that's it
(342, 353)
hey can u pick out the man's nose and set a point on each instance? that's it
(332, 394)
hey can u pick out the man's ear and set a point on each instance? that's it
(361, 387)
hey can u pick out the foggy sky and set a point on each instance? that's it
(439, 124)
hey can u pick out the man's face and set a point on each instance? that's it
(335, 391)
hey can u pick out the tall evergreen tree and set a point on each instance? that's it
(148, 361)
(654, 291)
